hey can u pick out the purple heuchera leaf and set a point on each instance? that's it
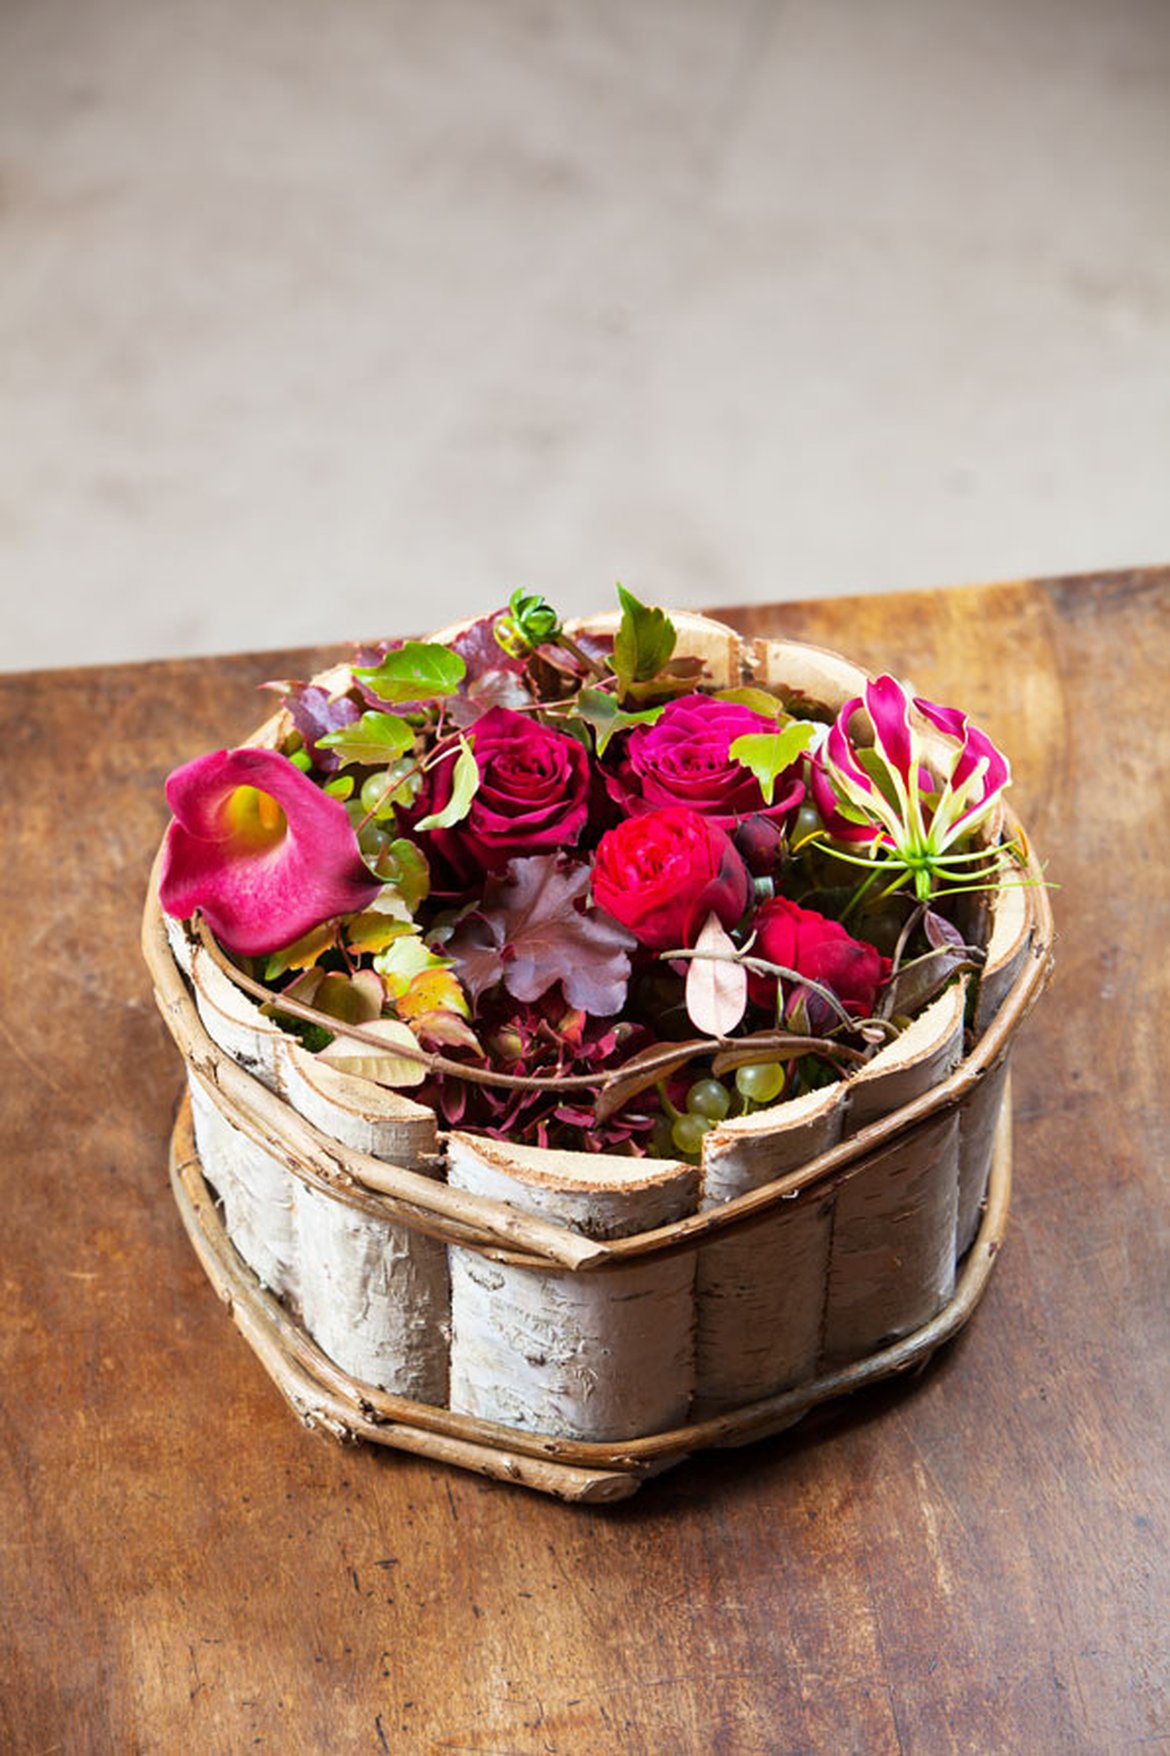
(261, 850)
(481, 652)
(533, 930)
(315, 713)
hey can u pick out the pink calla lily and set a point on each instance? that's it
(260, 850)
(931, 779)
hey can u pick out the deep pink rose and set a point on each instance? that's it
(533, 796)
(261, 850)
(683, 760)
(663, 873)
(800, 939)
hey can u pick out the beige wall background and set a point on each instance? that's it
(322, 320)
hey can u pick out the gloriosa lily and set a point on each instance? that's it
(927, 783)
(261, 850)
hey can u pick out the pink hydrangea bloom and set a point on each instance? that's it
(260, 850)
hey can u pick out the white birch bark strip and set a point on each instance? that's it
(604, 1356)
(978, 1121)
(257, 1194)
(369, 1117)
(374, 1297)
(374, 1294)
(760, 1292)
(180, 940)
(806, 675)
(892, 1255)
(235, 1023)
(926, 1052)
(1011, 935)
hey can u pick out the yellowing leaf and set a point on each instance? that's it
(382, 1066)
(303, 952)
(433, 990)
(356, 999)
(374, 929)
(402, 961)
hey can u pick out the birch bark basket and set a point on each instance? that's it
(590, 1309)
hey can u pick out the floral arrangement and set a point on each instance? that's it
(572, 893)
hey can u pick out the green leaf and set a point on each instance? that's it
(371, 740)
(405, 867)
(464, 784)
(644, 641)
(602, 712)
(770, 706)
(530, 621)
(768, 754)
(422, 670)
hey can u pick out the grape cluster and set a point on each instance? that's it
(679, 1133)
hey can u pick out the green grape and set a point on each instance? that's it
(687, 1134)
(807, 822)
(662, 1138)
(761, 1082)
(709, 1098)
(373, 790)
(373, 840)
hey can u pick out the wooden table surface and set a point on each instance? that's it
(975, 1561)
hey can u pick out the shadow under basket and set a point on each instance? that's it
(575, 1322)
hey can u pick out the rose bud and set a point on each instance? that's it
(663, 873)
(684, 759)
(802, 940)
(762, 842)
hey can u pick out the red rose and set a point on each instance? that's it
(683, 760)
(800, 939)
(533, 796)
(663, 873)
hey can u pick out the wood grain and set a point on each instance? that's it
(976, 1562)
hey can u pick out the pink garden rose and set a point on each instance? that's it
(663, 873)
(260, 850)
(533, 797)
(683, 759)
(803, 940)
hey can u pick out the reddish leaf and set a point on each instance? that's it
(533, 931)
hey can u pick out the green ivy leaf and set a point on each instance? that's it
(768, 754)
(404, 865)
(602, 713)
(644, 641)
(770, 706)
(422, 670)
(464, 785)
(371, 740)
